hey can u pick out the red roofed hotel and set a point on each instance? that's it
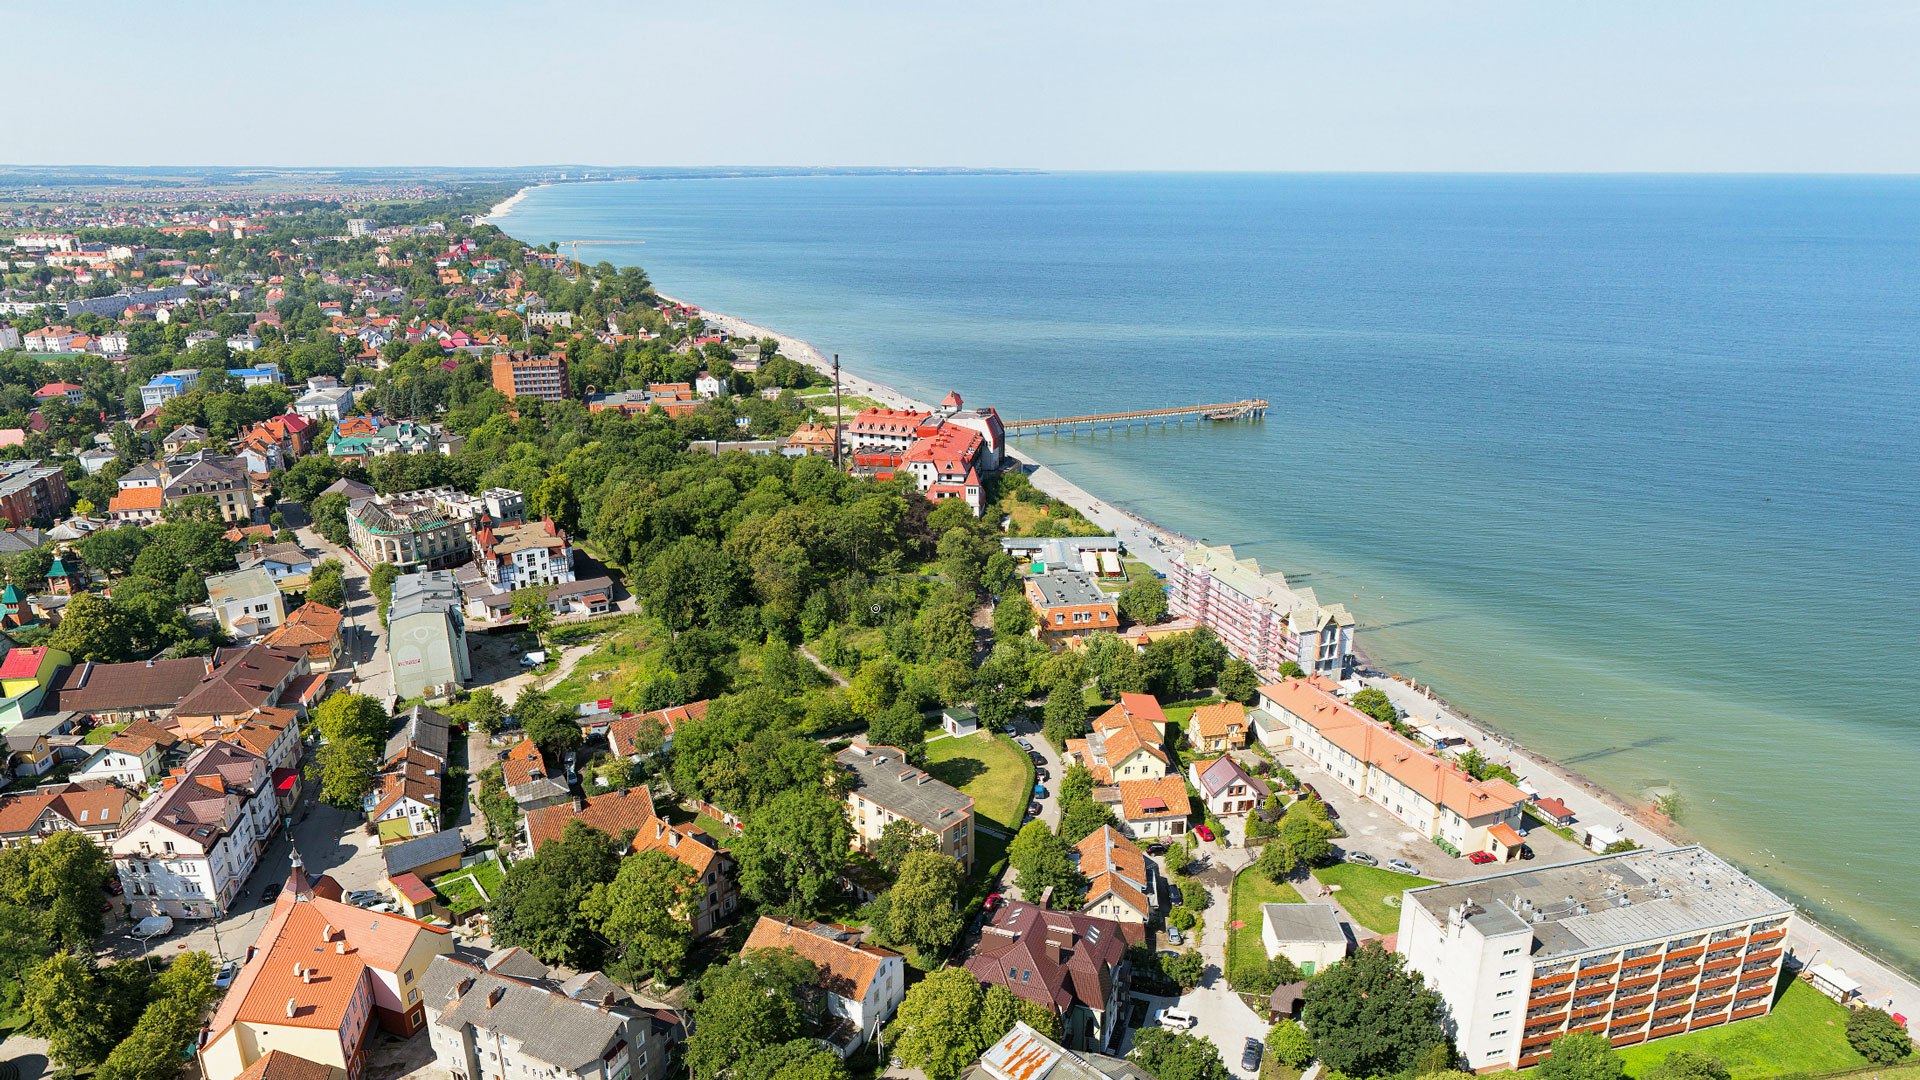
(945, 450)
(1428, 793)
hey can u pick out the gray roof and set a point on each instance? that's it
(1061, 588)
(22, 539)
(429, 592)
(284, 554)
(1303, 922)
(1607, 902)
(352, 489)
(502, 600)
(240, 585)
(422, 729)
(1064, 550)
(882, 774)
(421, 850)
(549, 1026)
(1215, 776)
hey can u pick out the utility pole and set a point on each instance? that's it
(836, 411)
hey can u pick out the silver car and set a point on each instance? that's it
(1362, 858)
(1402, 866)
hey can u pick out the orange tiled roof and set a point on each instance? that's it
(846, 969)
(612, 813)
(687, 843)
(1217, 721)
(140, 498)
(1142, 799)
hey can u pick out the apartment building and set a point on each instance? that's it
(518, 375)
(1068, 606)
(520, 556)
(188, 851)
(247, 602)
(862, 983)
(1633, 946)
(887, 788)
(168, 385)
(429, 529)
(1073, 965)
(216, 476)
(512, 1019)
(1258, 616)
(1420, 788)
(31, 492)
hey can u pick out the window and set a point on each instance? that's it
(1504, 993)
(1503, 1014)
(1511, 952)
(1497, 1034)
(1510, 973)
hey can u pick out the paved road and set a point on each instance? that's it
(364, 656)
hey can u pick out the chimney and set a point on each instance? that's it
(326, 932)
(306, 976)
(293, 1007)
(340, 947)
(299, 969)
(1046, 896)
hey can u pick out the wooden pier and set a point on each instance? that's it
(1250, 409)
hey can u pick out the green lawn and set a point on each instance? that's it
(457, 886)
(1370, 895)
(1180, 712)
(1250, 890)
(103, 733)
(1805, 1032)
(998, 775)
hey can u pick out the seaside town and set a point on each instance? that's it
(431, 655)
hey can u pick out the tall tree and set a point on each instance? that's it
(792, 850)
(542, 905)
(924, 908)
(1369, 1016)
(947, 1020)
(1041, 860)
(1582, 1056)
(644, 911)
(1177, 1055)
(751, 1004)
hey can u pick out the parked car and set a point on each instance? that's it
(113, 886)
(1311, 790)
(1023, 744)
(1038, 757)
(1175, 936)
(1204, 832)
(1480, 858)
(1033, 809)
(1332, 814)
(153, 926)
(1250, 1056)
(1402, 866)
(1039, 791)
(270, 893)
(534, 658)
(363, 897)
(1526, 851)
(224, 978)
(1362, 858)
(1042, 774)
(1177, 1019)
(994, 900)
(1156, 849)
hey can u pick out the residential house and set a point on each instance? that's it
(287, 564)
(1073, 965)
(1225, 788)
(716, 877)
(188, 851)
(168, 385)
(1259, 616)
(311, 628)
(1428, 793)
(320, 979)
(523, 556)
(427, 636)
(1153, 809)
(524, 772)
(861, 984)
(405, 800)
(582, 596)
(92, 461)
(182, 437)
(422, 731)
(1121, 881)
(119, 693)
(1068, 607)
(627, 736)
(136, 505)
(1218, 728)
(273, 733)
(326, 405)
(486, 1024)
(887, 788)
(31, 492)
(247, 602)
(133, 758)
(1636, 946)
(1126, 742)
(238, 684)
(425, 857)
(612, 813)
(74, 393)
(1310, 935)
(51, 339)
(96, 808)
(215, 476)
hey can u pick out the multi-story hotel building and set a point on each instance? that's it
(887, 788)
(517, 375)
(1260, 618)
(1633, 946)
(430, 529)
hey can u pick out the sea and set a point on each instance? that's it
(1626, 467)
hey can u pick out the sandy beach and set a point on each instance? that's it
(505, 206)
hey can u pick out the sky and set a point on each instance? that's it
(1440, 85)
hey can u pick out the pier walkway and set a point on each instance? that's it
(1249, 409)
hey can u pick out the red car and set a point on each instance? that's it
(1204, 832)
(1480, 858)
(994, 900)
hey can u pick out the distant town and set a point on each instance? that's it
(427, 654)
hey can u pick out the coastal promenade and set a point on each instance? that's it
(1158, 547)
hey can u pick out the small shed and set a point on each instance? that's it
(1833, 982)
(1310, 935)
(1285, 1001)
(959, 720)
(1554, 810)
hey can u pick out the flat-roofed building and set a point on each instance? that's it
(517, 375)
(888, 788)
(1259, 616)
(1633, 946)
(427, 635)
(1067, 605)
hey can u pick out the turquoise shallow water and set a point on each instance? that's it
(1628, 467)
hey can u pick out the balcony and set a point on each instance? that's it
(1688, 953)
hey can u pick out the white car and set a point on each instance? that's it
(1178, 1020)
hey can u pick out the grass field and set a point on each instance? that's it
(1365, 890)
(1805, 1032)
(1250, 890)
(990, 768)
(458, 885)
(103, 733)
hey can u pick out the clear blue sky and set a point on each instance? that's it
(1743, 85)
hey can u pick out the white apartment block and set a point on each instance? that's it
(1634, 946)
(1258, 616)
(189, 850)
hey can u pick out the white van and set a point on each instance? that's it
(1178, 1020)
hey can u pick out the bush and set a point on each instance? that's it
(1185, 968)
(1192, 893)
(1178, 859)
(1182, 918)
(1877, 1037)
(1261, 976)
(1290, 1044)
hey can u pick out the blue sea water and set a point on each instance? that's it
(1628, 467)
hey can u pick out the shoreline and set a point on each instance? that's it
(1883, 982)
(505, 206)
